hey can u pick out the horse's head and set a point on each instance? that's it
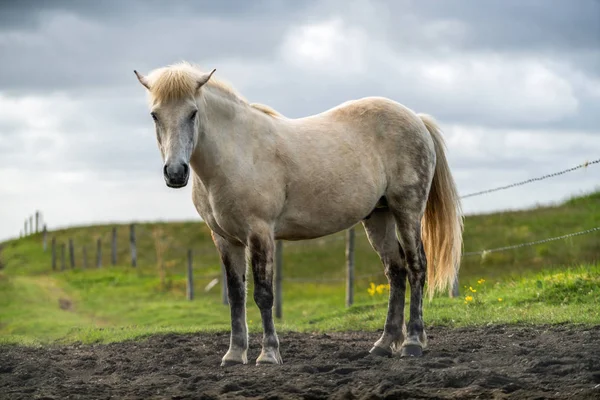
(175, 111)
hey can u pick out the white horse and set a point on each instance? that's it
(258, 177)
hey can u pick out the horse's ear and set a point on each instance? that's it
(142, 79)
(204, 78)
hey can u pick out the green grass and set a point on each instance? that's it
(120, 302)
(112, 305)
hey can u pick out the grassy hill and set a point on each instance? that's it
(112, 302)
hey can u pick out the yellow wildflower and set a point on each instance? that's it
(481, 281)
(468, 299)
(380, 288)
(472, 290)
(499, 299)
(371, 289)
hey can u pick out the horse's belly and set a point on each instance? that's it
(313, 216)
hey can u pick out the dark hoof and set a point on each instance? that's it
(411, 350)
(229, 363)
(381, 352)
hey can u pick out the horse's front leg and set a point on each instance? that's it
(234, 260)
(261, 247)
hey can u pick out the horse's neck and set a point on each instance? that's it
(231, 132)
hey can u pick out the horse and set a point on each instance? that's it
(258, 176)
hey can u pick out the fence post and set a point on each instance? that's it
(190, 277)
(45, 240)
(85, 258)
(351, 235)
(63, 250)
(454, 291)
(37, 221)
(71, 253)
(25, 228)
(114, 246)
(224, 293)
(99, 253)
(278, 276)
(132, 244)
(53, 253)
(31, 225)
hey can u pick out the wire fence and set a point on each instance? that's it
(171, 256)
(540, 178)
(483, 253)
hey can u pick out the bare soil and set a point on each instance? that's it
(494, 362)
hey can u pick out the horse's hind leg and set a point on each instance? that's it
(381, 231)
(408, 222)
(234, 260)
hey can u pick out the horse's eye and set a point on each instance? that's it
(193, 114)
(154, 117)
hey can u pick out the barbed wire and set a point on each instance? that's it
(584, 165)
(516, 246)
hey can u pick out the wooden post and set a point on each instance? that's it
(99, 253)
(350, 240)
(278, 275)
(224, 294)
(71, 253)
(31, 225)
(114, 246)
(53, 253)
(454, 292)
(190, 277)
(132, 244)
(85, 258)
(37, 221)
(25, 229)
(45, 240)
(63, 250)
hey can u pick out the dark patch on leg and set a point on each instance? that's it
(263, 294)
(397, 277)
(236, 293)
(417, 270)
(261, 256)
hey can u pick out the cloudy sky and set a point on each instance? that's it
(515, 85)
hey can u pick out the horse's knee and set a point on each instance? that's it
(263, 296)
(395, 272)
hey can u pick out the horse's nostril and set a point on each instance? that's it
(165, 170)
(185, 169)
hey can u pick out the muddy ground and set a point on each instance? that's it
(473, 363)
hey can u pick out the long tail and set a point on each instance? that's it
(442, 224)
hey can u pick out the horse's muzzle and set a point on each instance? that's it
(176, 175)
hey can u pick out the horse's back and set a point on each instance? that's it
(342, 161)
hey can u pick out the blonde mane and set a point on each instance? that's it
(177, 81)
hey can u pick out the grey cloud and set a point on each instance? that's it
(81, 49)
(28, 14)
(499, 25)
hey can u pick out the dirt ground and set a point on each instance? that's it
(495, 362)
